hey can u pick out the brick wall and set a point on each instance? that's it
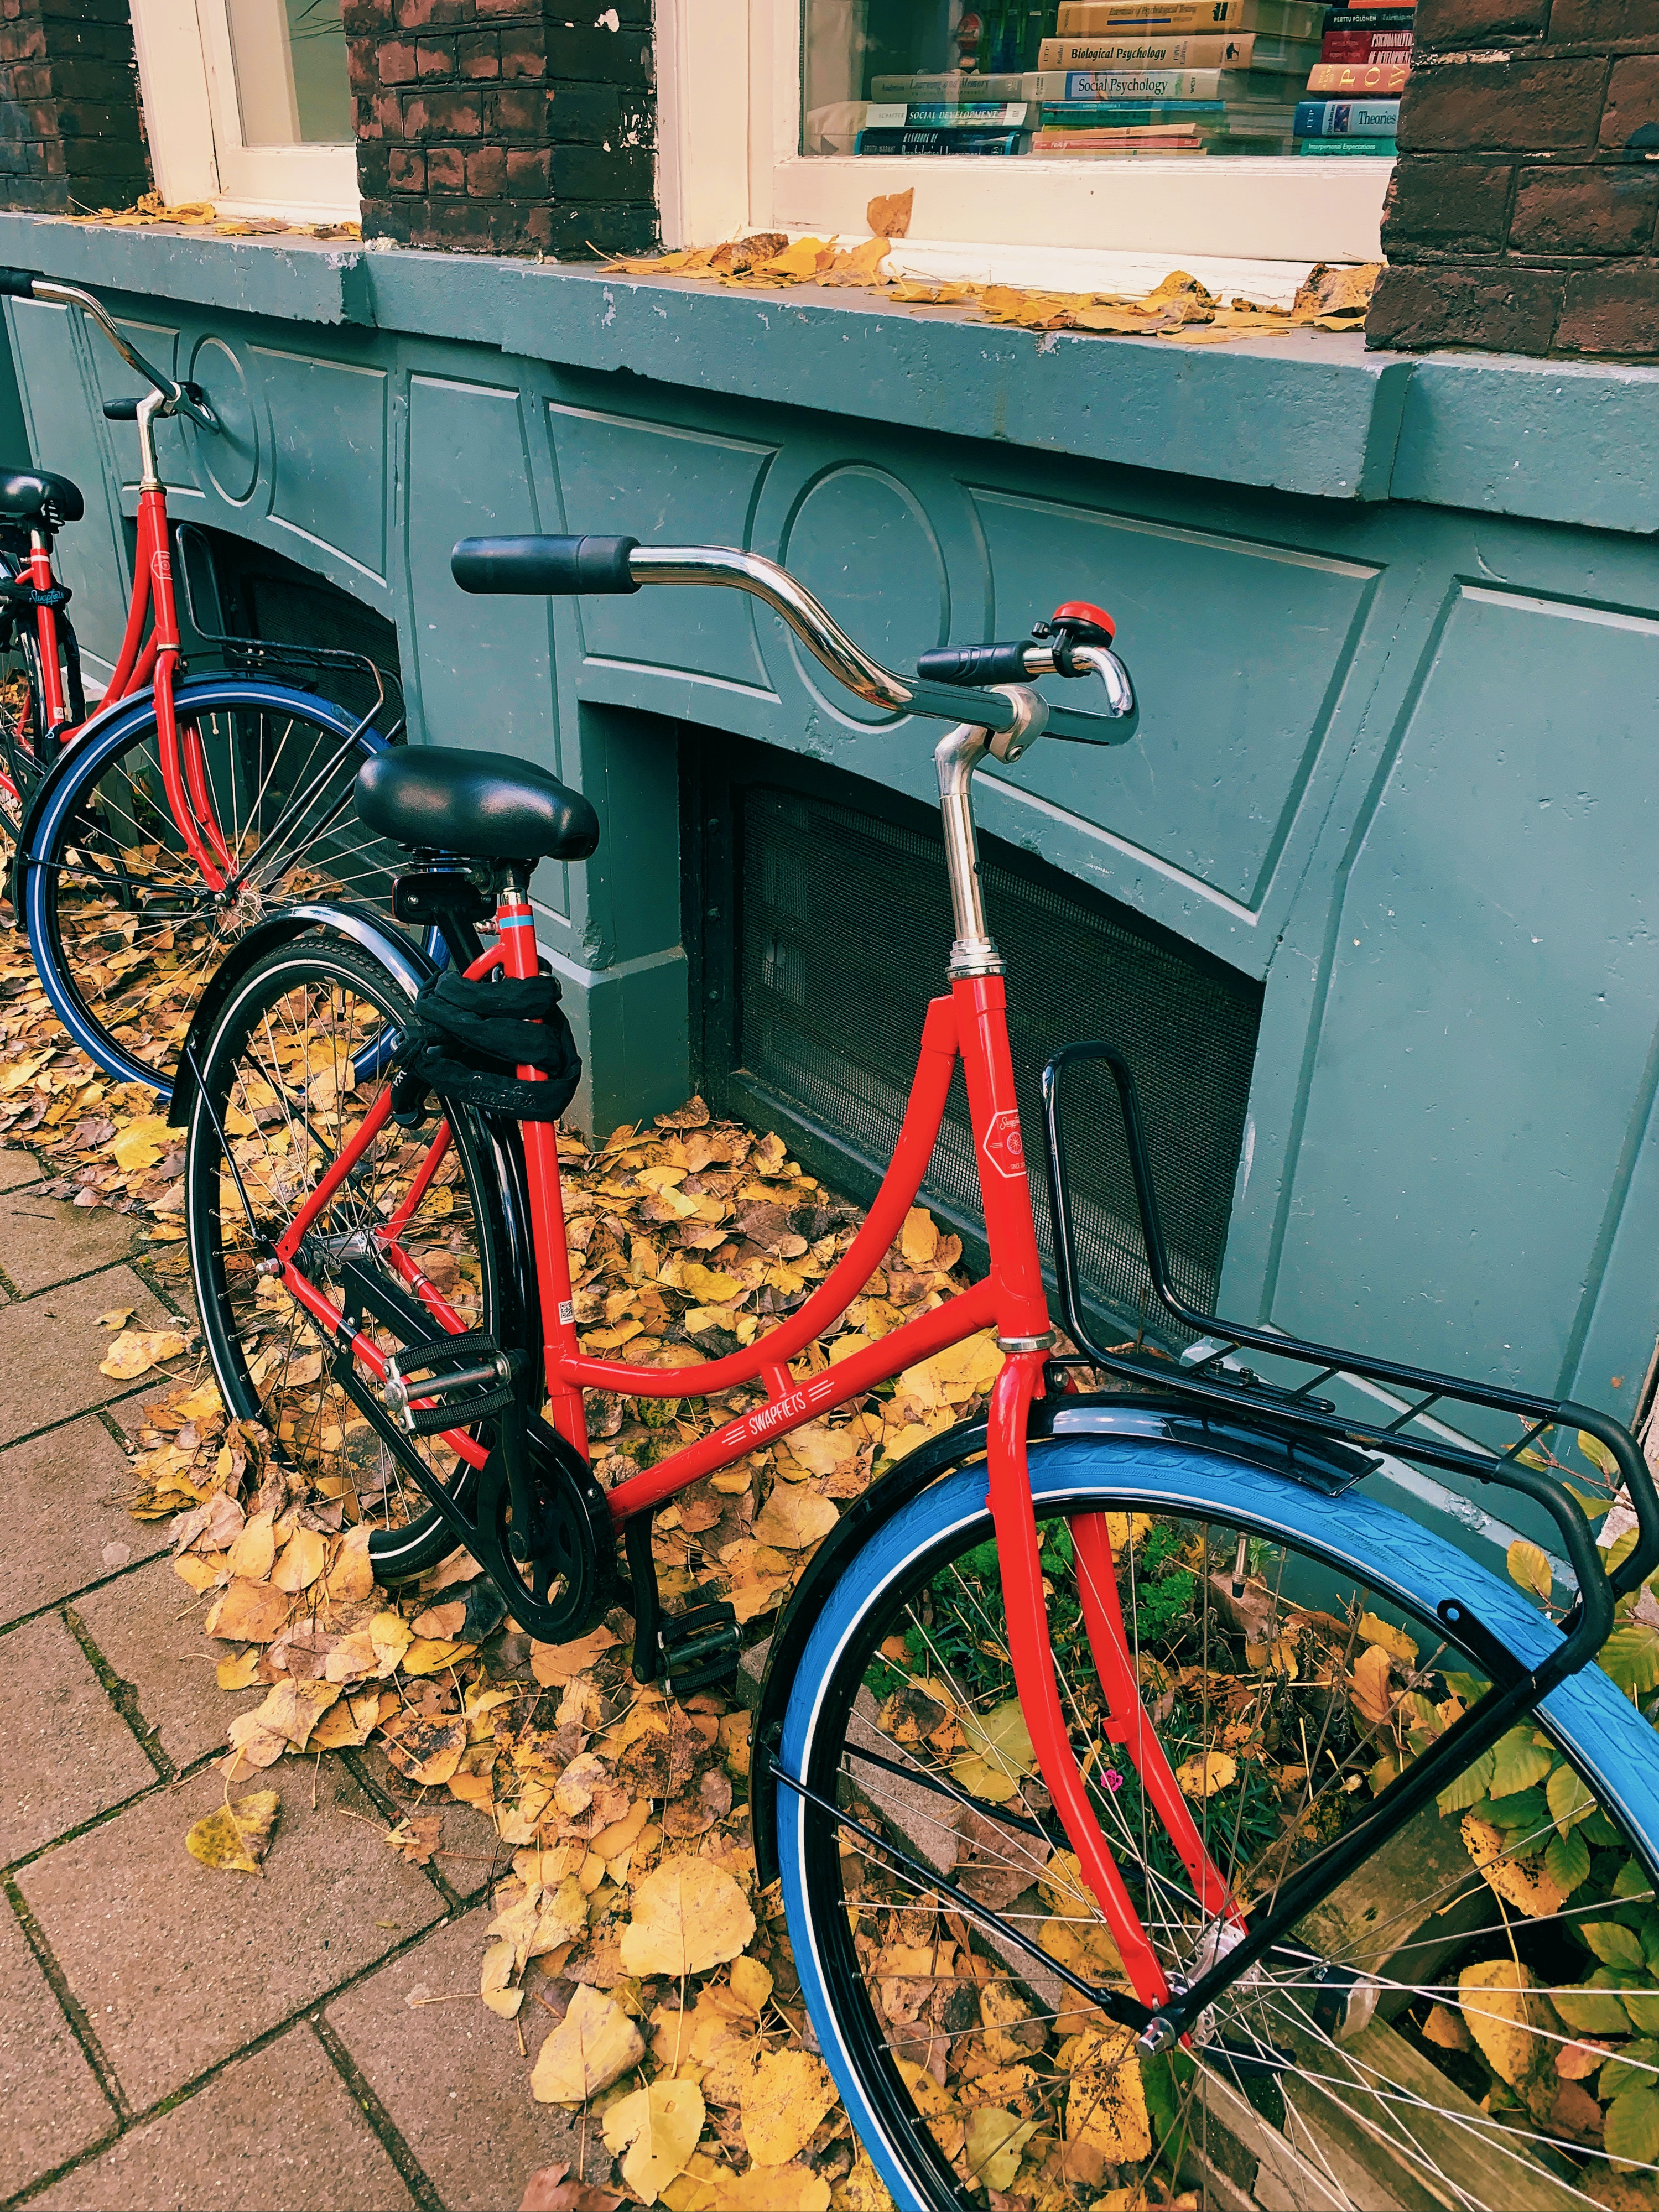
(69, 134)
(1524, 214)
(502, 126)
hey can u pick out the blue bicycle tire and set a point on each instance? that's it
(63, 791)
(1610, 1742)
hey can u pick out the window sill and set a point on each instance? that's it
(1277, 209)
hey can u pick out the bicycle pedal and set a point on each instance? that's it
(464, 1379)
(699, 1648)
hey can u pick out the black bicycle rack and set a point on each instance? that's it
(1225, 1394)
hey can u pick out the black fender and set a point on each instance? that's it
(1054, 1420)
(413, 965)
(410, 962)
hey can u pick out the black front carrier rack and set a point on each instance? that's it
(1229, 1398)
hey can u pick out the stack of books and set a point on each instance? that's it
(1352, 94)
(1174, 76)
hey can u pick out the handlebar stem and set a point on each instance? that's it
(956, 757)
(822, 636)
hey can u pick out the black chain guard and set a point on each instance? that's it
(572, 1539)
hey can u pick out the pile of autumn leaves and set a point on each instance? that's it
(1331, 298)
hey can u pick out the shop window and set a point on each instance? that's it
(1256, 130)
(247, 104)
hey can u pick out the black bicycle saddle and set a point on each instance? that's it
(485, 806)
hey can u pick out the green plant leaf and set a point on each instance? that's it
(1567, 1861)
(1593, 2006)
(1597, 1453)
(1598, 1830)
(1468, 1687)
(1633, 2126)
(1620, 1550)
(1527, 1813)
(1614, 1946)
(1530, 1566)
(1631, 1657)
(1569, 1801)
(1633, 1881)
(1632, 2068)
(1518, 1762)
(1594, 1506)
(1469, 1787)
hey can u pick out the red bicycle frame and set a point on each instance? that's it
(969, 1025)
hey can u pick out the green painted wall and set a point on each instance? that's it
(1395, 627)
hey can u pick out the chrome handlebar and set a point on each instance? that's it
(175, 398)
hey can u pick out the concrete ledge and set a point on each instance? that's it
(1311, 413)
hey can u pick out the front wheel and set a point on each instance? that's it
(1487, 2036)
(124, 929)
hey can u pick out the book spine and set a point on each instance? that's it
(1368, 19)
(945, 115)
(1132, 53)
(1115, 142)
(1084, 114)
(1346, 118)
(1368, 80)
(1086, 18)
(1377, 146)
(952, 90)
(1365, 46)
(884, 141)
(1131, 84)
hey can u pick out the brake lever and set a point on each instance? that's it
(1121, 703)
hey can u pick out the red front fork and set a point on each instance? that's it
(1023, 1331)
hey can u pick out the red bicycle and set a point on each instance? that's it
(1081, 1727)
(151, 834)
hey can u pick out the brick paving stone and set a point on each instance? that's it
(53, 2105)
(65, 1752)
(277, 2132)
(44, 1240)
(66, 1520)
(470, 1855)
(178, 1965)
(18, 1167)
(451, 2077)
(50, 1346)
(149, 1626)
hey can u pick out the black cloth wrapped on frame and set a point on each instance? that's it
(466, 1040)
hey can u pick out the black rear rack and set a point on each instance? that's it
(1424, 1431)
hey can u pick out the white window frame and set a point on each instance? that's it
(194, 124)
(729, 135)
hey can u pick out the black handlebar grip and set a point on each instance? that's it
(16, 283)
(543, 567)
(975, 664)
(121, 410)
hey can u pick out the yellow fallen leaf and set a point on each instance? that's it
(254, 1551)
(248, 1612)
(1203, 1776)
(1523, 1883)
(390, 1634)
(595, 2044)
(303, 1557)
(1528, 1566)
(919, 1238)
(785, 2097)
(1387, 1638)
(1106, 2122)
(239, 1674)
(555, 1664)
(141, 1143)
(655, 2130)
(1503, 2018)
(117, 1318)
(135, 1351)
(352, 1574)
(689, 1915)
(495, 1976)
(793, 1517)
(353, 1720)
(1372, 1695)
(995, 2141)
(772, 2189)
(235, 1837)
(426, 1654)
(751, 1983)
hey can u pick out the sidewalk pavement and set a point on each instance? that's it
(172, 2036)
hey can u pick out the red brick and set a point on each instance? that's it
(418, 14)
(478, 54)
(1442, 206)
(1443, 25)
(486, 172)
(363, 18)
(407, 172)
(444, 115)
(1612, 310)
(360, 71)
(396, 62)
(1605, 210)
(1630, 121)
(435, 57)
(388, 115)
(524, 53)
(529, 172)
(446, 169)
(1538, 105)
(1418, 307)
(519, 114)
(1601, 22)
